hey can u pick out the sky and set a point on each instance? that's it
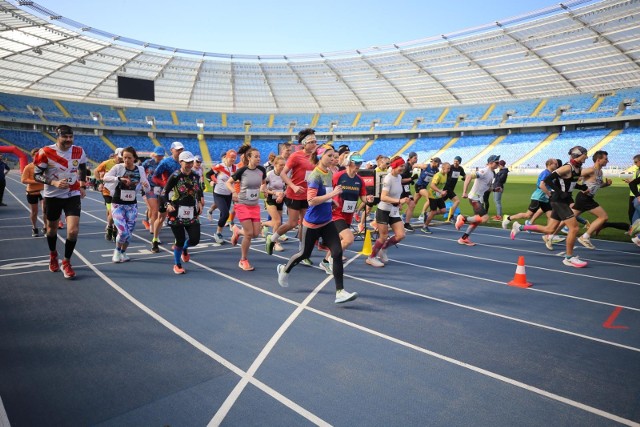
(281, 27)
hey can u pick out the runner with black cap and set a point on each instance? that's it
(407, 180)
(455, 171)
(562, 181)
(484, 177)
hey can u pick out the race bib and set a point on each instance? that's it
(157, 190)
(349, 206)
(329, 190)
(395, 211)
(406, 188)
(69, 177)
(186, 212)
(455, 174)
(252, 195)
(127, 195)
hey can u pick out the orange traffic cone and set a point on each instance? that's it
(520, 278)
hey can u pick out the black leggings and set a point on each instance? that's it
(223, 202)
(180, 232)
(331, 239)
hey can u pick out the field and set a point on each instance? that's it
(517, 193)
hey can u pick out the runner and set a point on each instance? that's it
(407, 181)
(562, 181)
(151, 196)
(388, 214)
(161, 176)
(273, 191)
(300, 164)
(427, 173)
(34, 198)
(183, 200)
(455, 171)
(317, 224)
(218, 177)
(99, 172)
(344, 204)
(436, 193)
(124, 181)
(246, 197)
(484, 177)
(62, 167)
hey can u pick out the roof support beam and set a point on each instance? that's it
(302, 82)
(379, 73)
(421, 69)
(341, 79)
(266, 80)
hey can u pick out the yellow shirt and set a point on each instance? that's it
(439, 180)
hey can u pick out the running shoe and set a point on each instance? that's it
(283, 238)
(505, 222)
(466, 241)
(635, 228)
(117, 256)
(374, 262)
(185, 257)
(586, 224)
(382, 256)
(107, 234)
(321, 246)
(306, 262)
(574, 261)
(283, 277)
(515, 229)
(636, 240)
(278, 247)
(146, 224)
(235, 235)
(527, 222)
(54, 267)
(60, 225)
(67, 271)
(548, 242)
(125, 257)
(421, 218)
(327, 267)
(244, 265)
(360, 228)
(356, 216)
(210, 215)
(231, 225)
(565, 230)
(344, 296)
(558, 239)
(408, 227)
(218, 238)
(177, 269)
(425, 230)
(497, 218)
(34, 232)
(586, 242)
(268, 245)
(459, 222)
(155, 247)
(265, 231)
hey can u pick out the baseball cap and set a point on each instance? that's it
(436, 159)
(493, 158)
(198, 158)
(458, 158)
(343, 149)
(177, 145)
(159, 151)
(354, 157)
(412, 154)
(64, 130)
(118, 152)
(186, 156)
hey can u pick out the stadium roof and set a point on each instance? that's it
(580, 46)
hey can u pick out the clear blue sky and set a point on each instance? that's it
(286, 26)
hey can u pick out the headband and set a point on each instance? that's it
(323, 149)
(397, 162)
(308, 139)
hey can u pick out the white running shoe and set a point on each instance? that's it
(565, 230)
(374, 262)
(278, 247)
(344, 296)
(210, 215)
(586, 242)
(505, 221)
(125, 257)
(635, 228)
(283, 277)
(327, 267)
(636, 240)
(218, 238)
(117, 256)
(574, 261)
(382, 256)
(558, 239)
(515, 229)
(548, 241)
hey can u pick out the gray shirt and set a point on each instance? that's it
(250, 181)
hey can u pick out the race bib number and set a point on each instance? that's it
(395, 211)
(349, 206)
(252, 195)
(186, 212)
(69, 177)
(406, 188)
(455, 174)
(157, 190)
(127, 195)
(329, 190)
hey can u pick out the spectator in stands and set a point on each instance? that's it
(498, 187)
(160, 177)
(34, 198)
(4, 170)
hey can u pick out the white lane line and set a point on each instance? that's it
(4, 419)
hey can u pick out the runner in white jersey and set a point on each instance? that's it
(388, 214)
(484, 178)
(62, 167)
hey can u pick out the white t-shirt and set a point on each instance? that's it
(484, 178)
(393, 186)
